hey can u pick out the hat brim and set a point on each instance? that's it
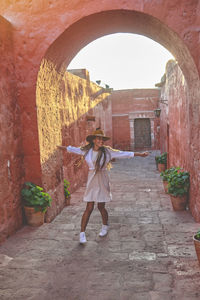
(89, 138)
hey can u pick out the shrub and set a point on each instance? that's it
(197, 235)
(66, 186)
(33, 196)
(162, 159)
(179, 182)
(168, 172)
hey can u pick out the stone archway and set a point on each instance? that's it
(82, 32)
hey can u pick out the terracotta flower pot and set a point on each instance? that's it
(33, 218)
(165, 184)
(67, 201)
(161, 167)
(179, 203)
(197, 247)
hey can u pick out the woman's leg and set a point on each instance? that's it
(86, 215)
(104, 213)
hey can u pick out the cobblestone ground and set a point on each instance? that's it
(148, 253)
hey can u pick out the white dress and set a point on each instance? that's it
(98, 186)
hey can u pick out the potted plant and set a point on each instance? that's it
(196, 239)
(166, 175)
(35, 203)
(67, 192)
(162, 162)
(178, 187)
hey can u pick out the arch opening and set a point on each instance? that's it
(123, 61)
(68, 44)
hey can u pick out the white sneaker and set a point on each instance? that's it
(82, 238)
(104, 230)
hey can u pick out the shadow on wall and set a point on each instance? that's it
(11, 148)
(66, 115)
(87, 29)
(182, 42)
(62, 165)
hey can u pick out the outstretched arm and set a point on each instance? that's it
(142, 154)
(62, 147)
(70, 149)
(125, 154)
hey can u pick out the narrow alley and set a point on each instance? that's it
(148, 253)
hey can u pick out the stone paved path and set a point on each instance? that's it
(147, 255)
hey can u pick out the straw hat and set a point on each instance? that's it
(97, 132)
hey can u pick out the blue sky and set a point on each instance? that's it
(123, 61)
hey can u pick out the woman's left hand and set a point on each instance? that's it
(144, 154)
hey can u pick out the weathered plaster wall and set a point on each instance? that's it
(91, 109)
(48, 34)
(128, 105)
(176, 113)
(54, 31)
(121, 132)
(11, 154)
(67, 113)
(125, 101)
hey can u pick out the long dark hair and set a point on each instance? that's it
(101, 152)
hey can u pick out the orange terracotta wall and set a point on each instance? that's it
(121, 132)
(67, 113)
(48, 34)
(174, 116)
(53, 32)
(128, 105)
(11, 151)
(125, 101)
(93, 110)
(175, 132)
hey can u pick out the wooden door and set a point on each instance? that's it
(142, 133)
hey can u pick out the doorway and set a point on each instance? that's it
(142, 132)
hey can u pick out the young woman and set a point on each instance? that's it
(98, 157)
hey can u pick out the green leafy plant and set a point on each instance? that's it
(33, 196)
(66, 191)
(179, 182)
(168, 173)
(197, 235)
(162, 159)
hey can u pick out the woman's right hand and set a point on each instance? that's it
(62, 147)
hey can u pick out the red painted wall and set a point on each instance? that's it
(97, 112)
(126, 106)
(176, 113)
(67, 113)
(121, 132)
(11, 151)
(125, 101)
(47, 35)
(45, 29)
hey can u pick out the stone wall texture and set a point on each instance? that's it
(175, 129)
(174, 117)
(46, 35)
(121, 132)
(11, 151)
(131, 105)
(67, 113)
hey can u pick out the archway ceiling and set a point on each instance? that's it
(84, 31)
